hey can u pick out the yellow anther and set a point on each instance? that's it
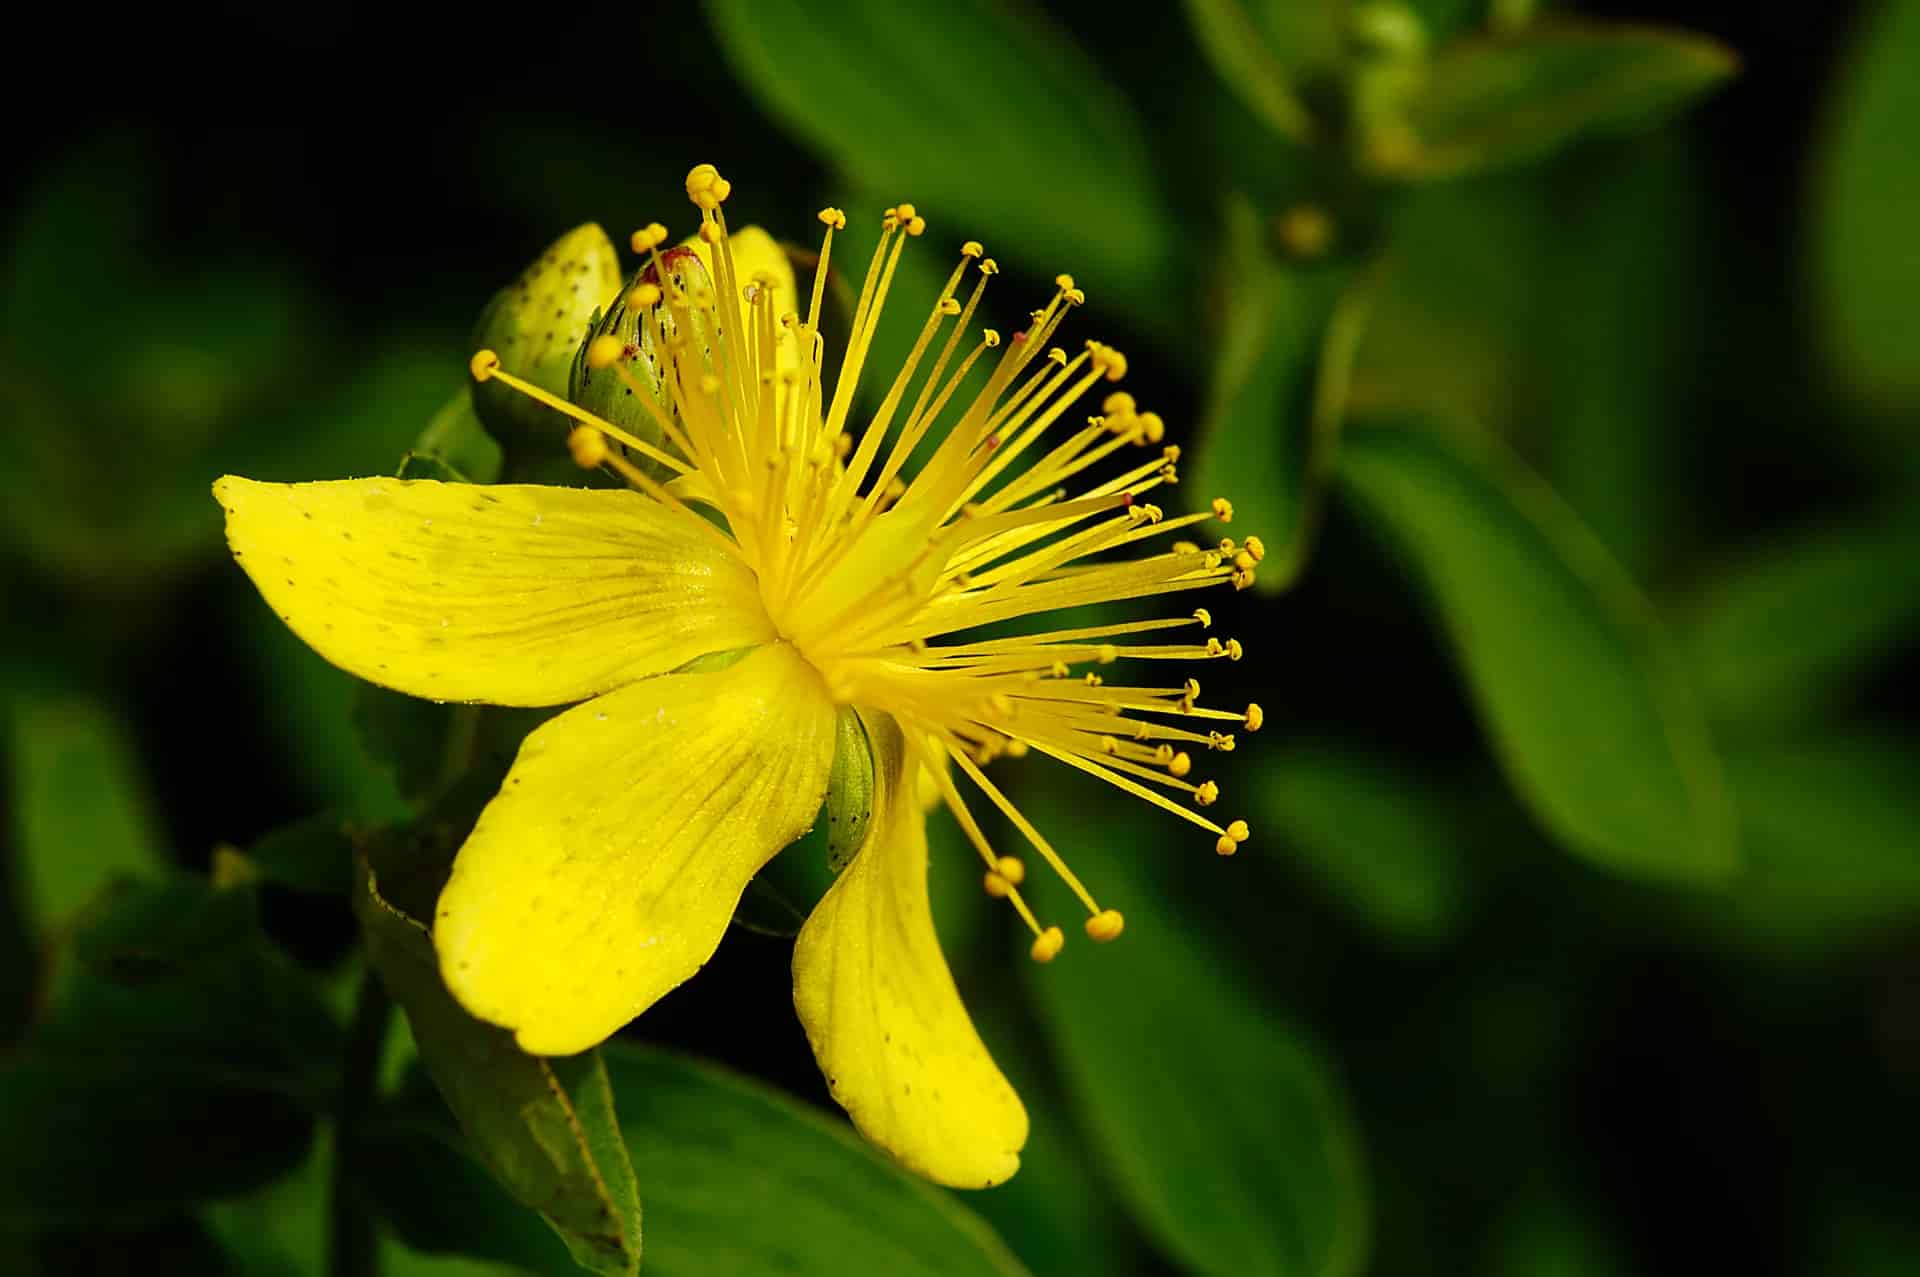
(1192, 689)
(1243, 561)
(1058, 669)
(836, 218)
(1074, 297)
(1242, 578)
(1234, 650)
(1013, 869)
(1108, 745)
(1094, 680)
(1223, 509)
(1016, 749)
(1256, 547)
(649, 237)
(950, 307)
(1226, 846)
(1206, 793)
(483, 364)
(1238, 831)
(588, 446)
(1107, 654)
(1063, 282)
(1119, 403)
(1163, 754)
(991, 337)
(643, 296)
(905, 212)
(1228, 545)
(1256, 717)
(973, 248)
(1105, 925)
(706, 188)
(1170, 453)
(1152, 428)
(1225, 744)
(1203, 616)
(1116, 364)
(1047, 945)
(916, 226)
(710, 232)
(842, 445)
(1057, 357)
(1180, 764)
(1153, 512)
(989, 267)
(1001, 704)
(604, 350)
(1215, 647)
(1185, 547)
(997, 885)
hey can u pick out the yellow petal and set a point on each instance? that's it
(607, 869)
(881, 1009)
(515, 594)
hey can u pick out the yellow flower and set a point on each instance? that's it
(606, 870)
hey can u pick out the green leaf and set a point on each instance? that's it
(1393, 844)
(1783, 634)
(544, 1127)
(919, 103)
(1495, 101)
(81, 811)
(741, 1179)
(183, 1059)
(1217, 1121)
(1829, 828)
(1262, 49)
(458, 442)
(1867, 204)
(1277, 394)
(315, 854)
(1586, 706)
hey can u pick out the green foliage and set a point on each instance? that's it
(887, 94)
(1782, 635)
(1491, 102)
(1867, 202)
(80, 806)
(545, 1128)
(1263, 49)
(1586, 705)
(180, 1058)
(1278, 392)
(739, 1179)
(1393, 844)
(1217, 1119)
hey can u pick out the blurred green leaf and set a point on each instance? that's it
(315, 854)
(1831, 831)
(79, 800)
(919, 103)
(457, 441)
(1587, 708)
(545, 1127)
(183, 1058)
(740, 1179)
(1495, 101)
(1782, 635)
(1866, 254)
(1262, 49)
(1394, 845)
(1219, 1123)
(1545, 1232)
(1277, 393)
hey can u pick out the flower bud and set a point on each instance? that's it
(536, 324)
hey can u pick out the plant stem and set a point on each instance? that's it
(352, 1249)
